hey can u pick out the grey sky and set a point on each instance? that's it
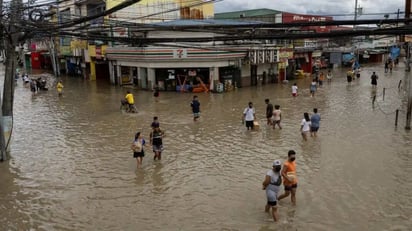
(329, 7)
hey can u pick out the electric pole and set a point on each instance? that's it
(356, 10)
(10, 36)
(408, 61)
(1, 27)
(2, 140)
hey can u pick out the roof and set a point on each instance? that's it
(246, 13)
(194, 22)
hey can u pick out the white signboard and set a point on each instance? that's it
(180, 53)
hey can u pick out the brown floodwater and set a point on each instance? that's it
(71, 167)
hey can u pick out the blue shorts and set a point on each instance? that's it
(314, 129)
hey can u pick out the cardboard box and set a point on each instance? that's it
(256, 125)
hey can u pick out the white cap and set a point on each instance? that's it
(277, 163)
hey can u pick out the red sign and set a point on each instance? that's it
(291, 18)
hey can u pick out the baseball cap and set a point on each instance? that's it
(277, 163)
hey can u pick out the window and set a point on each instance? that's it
(65, 16)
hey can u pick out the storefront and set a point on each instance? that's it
(229, 77)
(317, 60)
(126, 76)
(182, 79)
(286, 64)
(170, 69)
(303, 61)
(260, 64)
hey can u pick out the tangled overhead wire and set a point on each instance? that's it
(34, 21)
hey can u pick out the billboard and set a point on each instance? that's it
(296, 18)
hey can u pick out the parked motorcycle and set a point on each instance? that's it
(41, 84)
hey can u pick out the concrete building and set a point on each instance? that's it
(184, 66)
(178, 67)
(194, 66)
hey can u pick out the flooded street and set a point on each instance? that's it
(71, 166)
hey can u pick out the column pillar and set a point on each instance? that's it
(151, 78)
(92, 69)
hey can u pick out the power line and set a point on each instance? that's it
(249, 31)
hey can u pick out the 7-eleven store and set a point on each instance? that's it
(172, 69)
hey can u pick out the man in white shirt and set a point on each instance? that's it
(249, 116)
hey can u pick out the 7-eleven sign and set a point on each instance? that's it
(179, 53)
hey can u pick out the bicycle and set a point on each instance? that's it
(127, 107)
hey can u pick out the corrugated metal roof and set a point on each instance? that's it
(193, 22)
(245, 13)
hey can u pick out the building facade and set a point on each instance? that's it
(178, 66)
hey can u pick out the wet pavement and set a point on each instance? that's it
(71, 167)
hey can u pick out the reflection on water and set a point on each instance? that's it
(72, 169)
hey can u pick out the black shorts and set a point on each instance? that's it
(138, 154)
(272, 203)
(249, 124)
(290, 187)
(314, 129)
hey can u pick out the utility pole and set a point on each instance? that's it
(356, 10)
(1, 27)
(408, 5)
(2, 140)
(53, 57)
(11, 37)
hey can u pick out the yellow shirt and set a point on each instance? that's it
(59, 87)
(130, 99)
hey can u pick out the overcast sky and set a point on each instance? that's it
(329, 7)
